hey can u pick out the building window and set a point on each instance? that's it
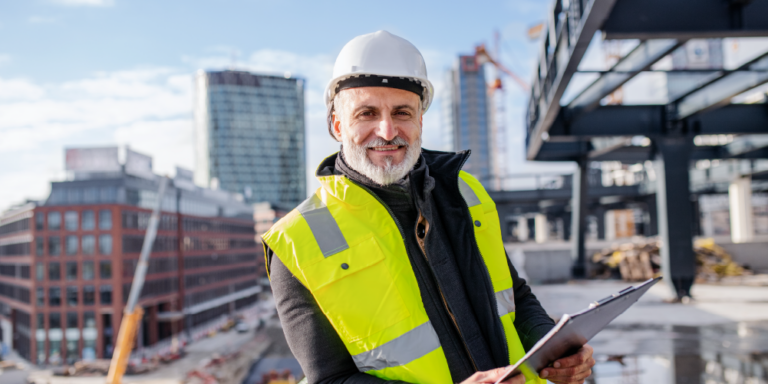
(72, 350)
(88, 244)
(89, 320)
(87, 270)
(54, 323)
(89, 221)
(91, 195)
(54, 297)
(54, 271)
(71, 245)
(72, 296)
(72, 320)
(54, 246)
(70, 220)
(39, 246)
(40, 296)
(105, 294)
(105, 244)
(39, 221)
(105, 269)
(39, 271)
(72, 270)
(54, 221)
(89, 295)
(89, 342)
(40, 342)
(105, 219)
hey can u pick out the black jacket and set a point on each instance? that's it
(452, 277)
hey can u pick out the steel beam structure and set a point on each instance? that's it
(719, 91)
(686, 19)
(579, 219)
(639, 59)
(566, 43)
(651, 120)
(675, 213)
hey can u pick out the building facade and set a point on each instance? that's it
(67, 263)
(250, 135)
(467, 117)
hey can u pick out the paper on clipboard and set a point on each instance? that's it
(573, 331)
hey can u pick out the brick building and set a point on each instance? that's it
(67, 263)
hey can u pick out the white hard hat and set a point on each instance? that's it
(380, 59)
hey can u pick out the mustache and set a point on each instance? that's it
(379, 142)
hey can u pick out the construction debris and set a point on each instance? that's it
(100, 367)
(231, 367)
(641, 260)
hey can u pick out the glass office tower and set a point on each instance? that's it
(466, 117)
(250, 135)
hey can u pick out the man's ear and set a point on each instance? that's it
(421, 123)
(336, 124)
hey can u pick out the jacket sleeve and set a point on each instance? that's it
(531, 320)
(311, 337)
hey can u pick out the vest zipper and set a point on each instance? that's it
(422, 243)
(402, 236)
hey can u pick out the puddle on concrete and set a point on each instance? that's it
(731, 353)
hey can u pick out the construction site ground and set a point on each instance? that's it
(720, 336)
(252, 346)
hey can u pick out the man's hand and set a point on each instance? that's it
(572, 369)
(490, 377)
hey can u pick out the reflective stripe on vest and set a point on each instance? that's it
(408, 347)
(344, 246)
(505, 301)
(323, 226)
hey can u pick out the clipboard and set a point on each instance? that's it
(573, 331)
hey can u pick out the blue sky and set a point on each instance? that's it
(119, 72)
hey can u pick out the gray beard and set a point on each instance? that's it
(357, 158)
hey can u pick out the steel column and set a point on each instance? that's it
(600, 216)
(578, 218)
(673, 201)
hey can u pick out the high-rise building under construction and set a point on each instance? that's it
(467, 117)
(249, 132)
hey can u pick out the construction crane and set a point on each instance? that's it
(496, 92)
(482, 54)
(133, 313)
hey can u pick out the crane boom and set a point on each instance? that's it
(132, 314)
(482, 52)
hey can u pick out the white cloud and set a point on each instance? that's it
(86, 3)
(19, 89)
(4, 58)
(148, 109)
(42, 19)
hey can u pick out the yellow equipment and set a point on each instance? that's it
(133, 313)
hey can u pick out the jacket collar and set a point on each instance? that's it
(444, 166)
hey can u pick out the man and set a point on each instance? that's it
(395, 270)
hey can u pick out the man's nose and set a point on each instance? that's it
(386, 129)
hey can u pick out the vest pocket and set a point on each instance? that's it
(356, 291)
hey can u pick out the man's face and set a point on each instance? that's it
(372, 116)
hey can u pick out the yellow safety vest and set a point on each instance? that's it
(345, 247)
